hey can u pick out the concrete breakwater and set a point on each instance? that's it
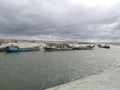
(108, 80)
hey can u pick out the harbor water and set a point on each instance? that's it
(40, 70)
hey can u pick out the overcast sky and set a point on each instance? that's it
(60, 19)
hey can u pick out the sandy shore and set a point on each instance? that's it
(22, 45)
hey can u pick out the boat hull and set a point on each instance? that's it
(57, 49)
(17, 49)
(104, 46)
(84, 48)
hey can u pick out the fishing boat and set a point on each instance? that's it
(103, 46)
(56, 49)
(88, 47)
(17, 49)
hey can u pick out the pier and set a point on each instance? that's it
(109, 80)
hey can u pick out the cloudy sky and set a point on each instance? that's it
(60, 19)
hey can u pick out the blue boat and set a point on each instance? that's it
(17, 49)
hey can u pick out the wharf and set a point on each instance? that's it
(109, 80)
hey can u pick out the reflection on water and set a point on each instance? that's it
(39, 70)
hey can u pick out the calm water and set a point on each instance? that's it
(40, 70)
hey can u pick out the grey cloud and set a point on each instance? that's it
(58, 19)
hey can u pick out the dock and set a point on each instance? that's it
(109, 80)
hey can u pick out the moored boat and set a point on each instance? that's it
(56, 49)
(88, 47)
(17, 49)
(103, 46)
